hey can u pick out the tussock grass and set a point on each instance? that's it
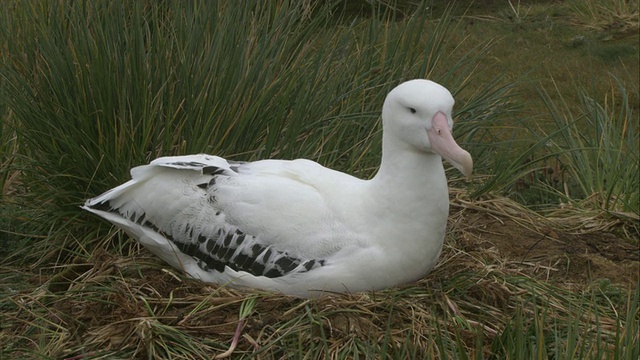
(97, 88)
(599, 149)
(586, 160)
(619, 17)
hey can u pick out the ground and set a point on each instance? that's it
(568, 259)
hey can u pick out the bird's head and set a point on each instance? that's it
(417, 113)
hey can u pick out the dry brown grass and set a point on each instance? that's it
(619, 17)
(134, 306)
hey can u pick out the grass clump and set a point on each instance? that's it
(587, 158)
(598, 149)
(98, 88)
(617, 17)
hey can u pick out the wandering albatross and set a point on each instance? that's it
(294, 226)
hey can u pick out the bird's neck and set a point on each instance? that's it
(410, 191)
(407, 174)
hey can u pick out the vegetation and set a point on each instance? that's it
(91, 89)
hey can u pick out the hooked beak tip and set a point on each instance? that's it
(464, 163)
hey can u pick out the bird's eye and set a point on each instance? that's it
(413, 111)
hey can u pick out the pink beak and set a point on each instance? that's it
(443, 143)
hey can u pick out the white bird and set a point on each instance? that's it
(297, 227)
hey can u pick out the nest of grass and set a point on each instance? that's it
(510, 283)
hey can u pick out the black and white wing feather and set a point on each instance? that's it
(223, 217)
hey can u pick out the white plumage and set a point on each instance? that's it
(295, 226)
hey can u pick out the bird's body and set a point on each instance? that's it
(295, 226)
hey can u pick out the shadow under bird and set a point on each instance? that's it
(294, 226)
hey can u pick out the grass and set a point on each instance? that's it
(467, 309)
(90, 89)
(588, 157)
(598, 148)
(175, 81)
(617, 18)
